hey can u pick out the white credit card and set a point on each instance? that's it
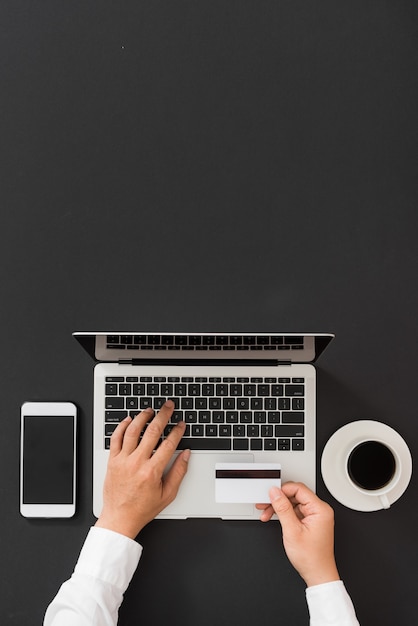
(246, 482)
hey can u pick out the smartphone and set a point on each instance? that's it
(48, 459)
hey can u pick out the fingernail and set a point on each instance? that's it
(169, 403)
(186, 455)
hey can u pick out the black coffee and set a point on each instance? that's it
(371, 465)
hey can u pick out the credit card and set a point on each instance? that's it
(246, 482)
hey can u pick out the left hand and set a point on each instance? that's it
(135, 489)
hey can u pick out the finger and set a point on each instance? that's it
(155, 429)
(283, 509)
(116, 439)
(302, 498)
(169, 446)
(175, 475)
(134, 430)
(267, 514)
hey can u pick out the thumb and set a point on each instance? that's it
(177, 472)
(283, 508)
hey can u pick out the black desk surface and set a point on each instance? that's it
(210, 166)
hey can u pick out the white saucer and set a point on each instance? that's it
(334, 458)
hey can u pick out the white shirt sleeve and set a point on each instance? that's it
(330, 605)
(94, 593)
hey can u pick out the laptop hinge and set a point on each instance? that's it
(206, 362)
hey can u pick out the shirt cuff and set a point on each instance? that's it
(330, 605)
(109, 556)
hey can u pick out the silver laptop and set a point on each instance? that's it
(245, 397)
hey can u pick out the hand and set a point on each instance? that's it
(308, 531)
(135, 489)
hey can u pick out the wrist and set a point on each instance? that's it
(321, 576)
(121, 526)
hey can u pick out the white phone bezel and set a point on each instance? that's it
(33, 409)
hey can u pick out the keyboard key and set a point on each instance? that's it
(201, 443)
(269, 444)
(250, 390)
(224, 430)
(180, 389)
(283, 404)
(158, 403)
(111, 390)
(298, 404)
(240, 444)
(270, 404)
(293, 417)
(267, 430)
(114, 416)
(239, 430)
(295, 390)
(256, 444)
(298, 444)
(114, 403)
(125, 389)
(211, 430)
(208, 389)
(283, 444)
(132, 403)
(277, 390)
(190, 417)
(253, 430)
(287, 430)
(263, 390)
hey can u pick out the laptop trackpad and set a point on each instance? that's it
(196, 497)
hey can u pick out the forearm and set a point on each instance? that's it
(93, 595)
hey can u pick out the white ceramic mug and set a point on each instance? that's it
(373, 470)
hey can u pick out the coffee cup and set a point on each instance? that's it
(373, 467)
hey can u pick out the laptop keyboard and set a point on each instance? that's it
(220, 413)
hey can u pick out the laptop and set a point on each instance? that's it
(245, 397)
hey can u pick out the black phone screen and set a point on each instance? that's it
(48, 459)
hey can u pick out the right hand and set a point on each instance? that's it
(308, 531)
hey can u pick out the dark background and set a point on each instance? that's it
(210, 166)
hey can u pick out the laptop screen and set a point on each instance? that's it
(152, 346)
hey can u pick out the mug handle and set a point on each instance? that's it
(384, 500)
